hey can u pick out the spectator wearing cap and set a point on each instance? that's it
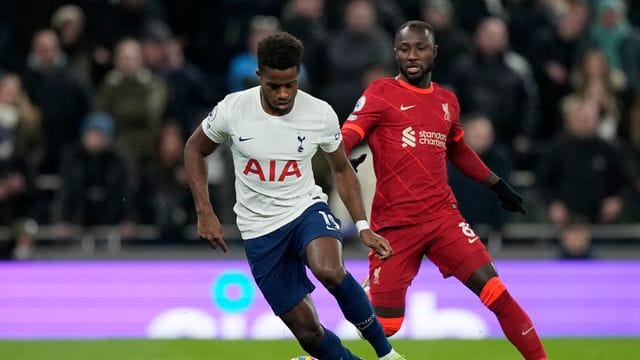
(96, 183)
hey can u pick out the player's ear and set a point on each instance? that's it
(435, 51)
(259, 74)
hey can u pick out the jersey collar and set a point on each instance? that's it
(406, 85)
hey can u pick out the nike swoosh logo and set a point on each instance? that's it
(528, 331)
(403, 108)
(472, 240)
(244, 139)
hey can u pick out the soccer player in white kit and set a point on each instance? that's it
(273, 131)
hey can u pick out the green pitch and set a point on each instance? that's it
(583, 349)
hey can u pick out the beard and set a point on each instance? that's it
(418, 77)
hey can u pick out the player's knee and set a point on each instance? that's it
(390, 326)
(330, 276)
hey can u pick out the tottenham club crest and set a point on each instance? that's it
(301, 139)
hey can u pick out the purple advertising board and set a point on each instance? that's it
(218, 299)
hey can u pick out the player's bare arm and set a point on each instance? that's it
(348, 188)
(198, 147)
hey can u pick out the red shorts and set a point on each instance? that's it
(447, 241)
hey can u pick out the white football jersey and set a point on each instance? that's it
(272, 156)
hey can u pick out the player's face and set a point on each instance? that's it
(415, 50)
(278, 89)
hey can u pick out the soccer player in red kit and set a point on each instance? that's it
(412, 126)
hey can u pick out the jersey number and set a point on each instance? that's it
(330, 221)
(466, 229)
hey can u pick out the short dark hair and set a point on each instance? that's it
(418, 24)
(280, 51)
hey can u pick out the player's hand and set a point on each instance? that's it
(377, 243)
(210, 230)
(357, 161)
(510, 200)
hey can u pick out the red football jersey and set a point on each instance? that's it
(407, 129)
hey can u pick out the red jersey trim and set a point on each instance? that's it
(459, 136)
(406, 85)
(355, 128)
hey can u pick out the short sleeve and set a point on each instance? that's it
(365, 115)
(215, 124)
(331, 136)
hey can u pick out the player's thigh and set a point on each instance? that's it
(324, 258)
(318, 238)
(457, 250)
(390, 278)
(278, 271)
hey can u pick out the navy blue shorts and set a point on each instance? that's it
(278, 259)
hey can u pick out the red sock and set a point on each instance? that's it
(515, 323)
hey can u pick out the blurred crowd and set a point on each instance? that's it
(98, 97)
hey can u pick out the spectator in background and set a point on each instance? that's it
(190, 95)
(630, 134)
(553, 54)
(163, 197)
(631, 129)
(20, 246)
(594, 65)
(61, 98)
(499, 83)
(575, 241)
(96, 182)
(530, 18)
(453, 42)
(111, 21)
(390, 15)
(305, 20)
(20, 150)
(599, 91)
(20, 123)
(359, 46)
(68, 21)
(242, 70)
(135, 98)
(583, 175)
(615, 36)
(16, 189)
(152, 43)
(475, 201)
